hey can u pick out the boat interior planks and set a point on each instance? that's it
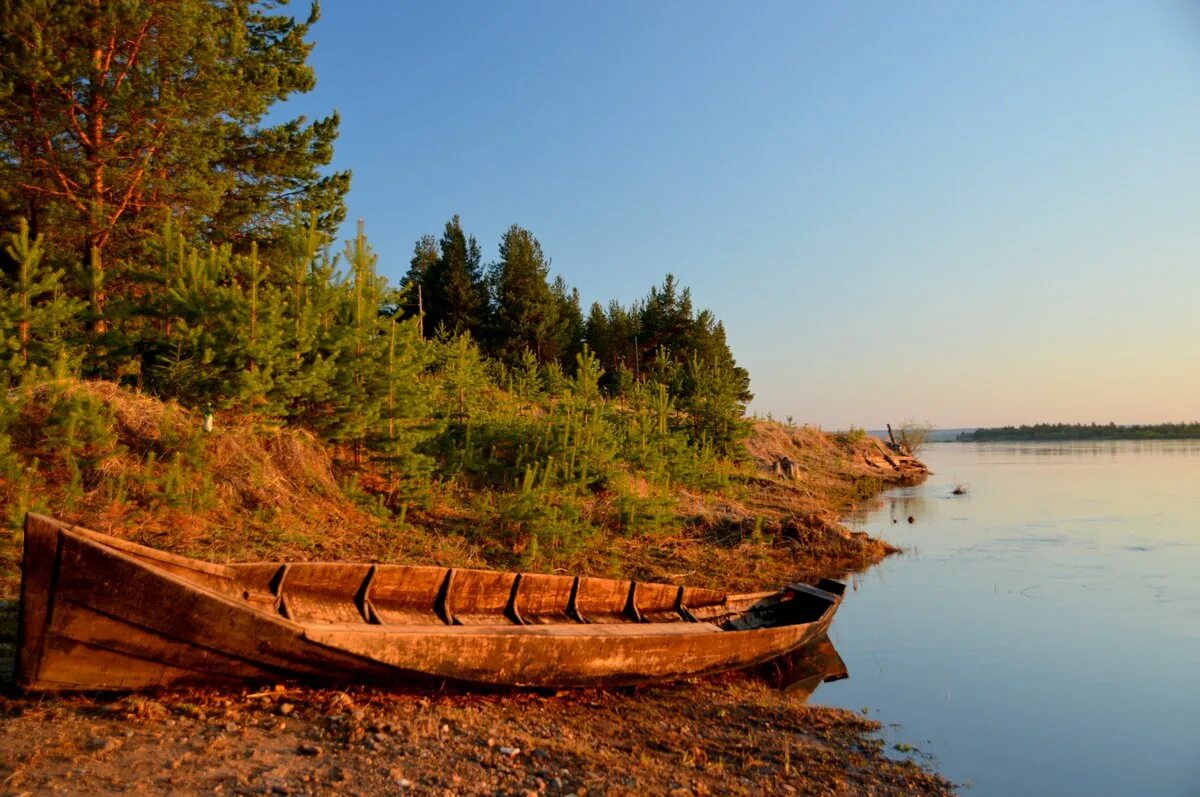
(101, 613)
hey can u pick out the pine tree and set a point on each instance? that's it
(453, 287)
(359, 393)
(613, 335)
(416, 281)
(570, 330)
(36, 316)
(664, 320)
(712, 399)
(263, 358)
(526, 314)
(198, 358)
(304, 285)
(111, 113)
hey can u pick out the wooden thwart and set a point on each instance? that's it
(101, 613)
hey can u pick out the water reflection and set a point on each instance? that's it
(1006, 646)
(1090, 448)
(800, 672)
(904, 506)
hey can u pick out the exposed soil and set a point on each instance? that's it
(728, 735)
(277, 496)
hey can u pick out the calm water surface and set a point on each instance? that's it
(1042, 635)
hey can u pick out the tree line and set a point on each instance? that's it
(1079, 431)
(158, 232)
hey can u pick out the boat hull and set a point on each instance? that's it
(104, 614)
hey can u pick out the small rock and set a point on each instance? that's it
(231, 727)
(100, 744)
(510, 751)
(286, 708)
(310, 749)
(540, 753)
(404, 783)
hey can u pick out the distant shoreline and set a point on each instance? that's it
(1063, 432)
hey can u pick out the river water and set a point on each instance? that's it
(1041, 636)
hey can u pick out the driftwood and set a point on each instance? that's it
(896, 445)
(786, 467)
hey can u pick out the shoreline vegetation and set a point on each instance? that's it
(280, 493)
(1079, 431)
(146, 470)
(189, 361)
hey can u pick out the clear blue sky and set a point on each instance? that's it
(961, 212)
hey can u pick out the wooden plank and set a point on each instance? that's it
(38, 567)
(602, 600)
(480, 597)
(74, 622)
(406, 595)
(113, 584)
(659, 603)
(256, 583)
(74, 665)
(544, 599)
(697, 598)
(324, 592)
(558, 660)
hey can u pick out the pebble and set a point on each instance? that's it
(510, 751)
(100, 743)
(286, 708)
(540, 753)
(310, 749)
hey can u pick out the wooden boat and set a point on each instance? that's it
(100, 613)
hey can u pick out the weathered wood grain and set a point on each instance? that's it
(99, 613)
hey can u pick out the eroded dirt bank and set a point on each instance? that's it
(732, 734)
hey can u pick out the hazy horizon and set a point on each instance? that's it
(949, 212)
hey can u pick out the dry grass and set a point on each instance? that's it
(275, 494)
(249, 491)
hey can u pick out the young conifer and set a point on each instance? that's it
(36, 315)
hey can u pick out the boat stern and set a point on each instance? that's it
(38, 567)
